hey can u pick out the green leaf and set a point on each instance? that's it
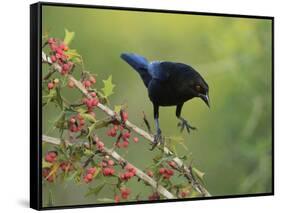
(46, 164)
(88, 117)
(108, 87)
(91, 129)
(117, 108)
(73, 55)
(96, 190)
(198, 173)
(68, 37)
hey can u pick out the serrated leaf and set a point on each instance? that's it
(68, 37)
(108, 87)
(198, 173)
(95, 190)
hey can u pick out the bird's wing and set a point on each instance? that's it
(158, 70)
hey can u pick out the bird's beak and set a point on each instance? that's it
(206, 99)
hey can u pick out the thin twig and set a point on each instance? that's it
(188, 174)
(139, 173)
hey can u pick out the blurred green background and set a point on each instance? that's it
(233, 143)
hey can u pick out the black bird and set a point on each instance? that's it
(169, 84)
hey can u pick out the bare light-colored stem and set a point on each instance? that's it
(113, 154)
(187, 170)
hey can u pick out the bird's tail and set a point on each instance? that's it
(140, 64)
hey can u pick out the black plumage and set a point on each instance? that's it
(169, 84)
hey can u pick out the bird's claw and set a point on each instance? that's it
(184, 124)
(157, 139)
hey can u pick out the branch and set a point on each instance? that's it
(139, 173)
(187, 170)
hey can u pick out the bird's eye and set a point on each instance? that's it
(198, 88)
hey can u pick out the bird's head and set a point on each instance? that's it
(201, 89)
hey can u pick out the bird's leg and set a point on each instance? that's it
(183, 122)
(158, 135)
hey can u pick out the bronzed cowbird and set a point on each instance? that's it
(169, 84)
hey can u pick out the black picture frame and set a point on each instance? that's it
(36, 100)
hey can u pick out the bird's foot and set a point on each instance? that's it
(184, 124)
(157, 139)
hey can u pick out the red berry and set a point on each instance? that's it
(49, 159)
(116, 199)
(169, 172)
(73, 128)
(65, 67)
(100, 145)
(110, 162)
(126, 135)
(116, 127)
(94, 102)
(89, 176)
(53, 58)
(50, 85)
(51, 40)
(82, 122)
(124, 116)
(162, 171)
(125, 144)
(87, 83)
(93, 94)
(184, 194)
(91, 170)
(72, 120)
(106, 171)
(59, 50)
(172, 164)
(135, 139)
(53, 154)
(125, 192)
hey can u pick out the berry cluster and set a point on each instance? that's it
(167, 173)
(89, 174)
(51, 156)
(99, 144)
(129, 173)
(76, 123)
(118, 130)
(58, 55)
(91, 102)
(89, 82)
(107, 167)
(66, 166)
